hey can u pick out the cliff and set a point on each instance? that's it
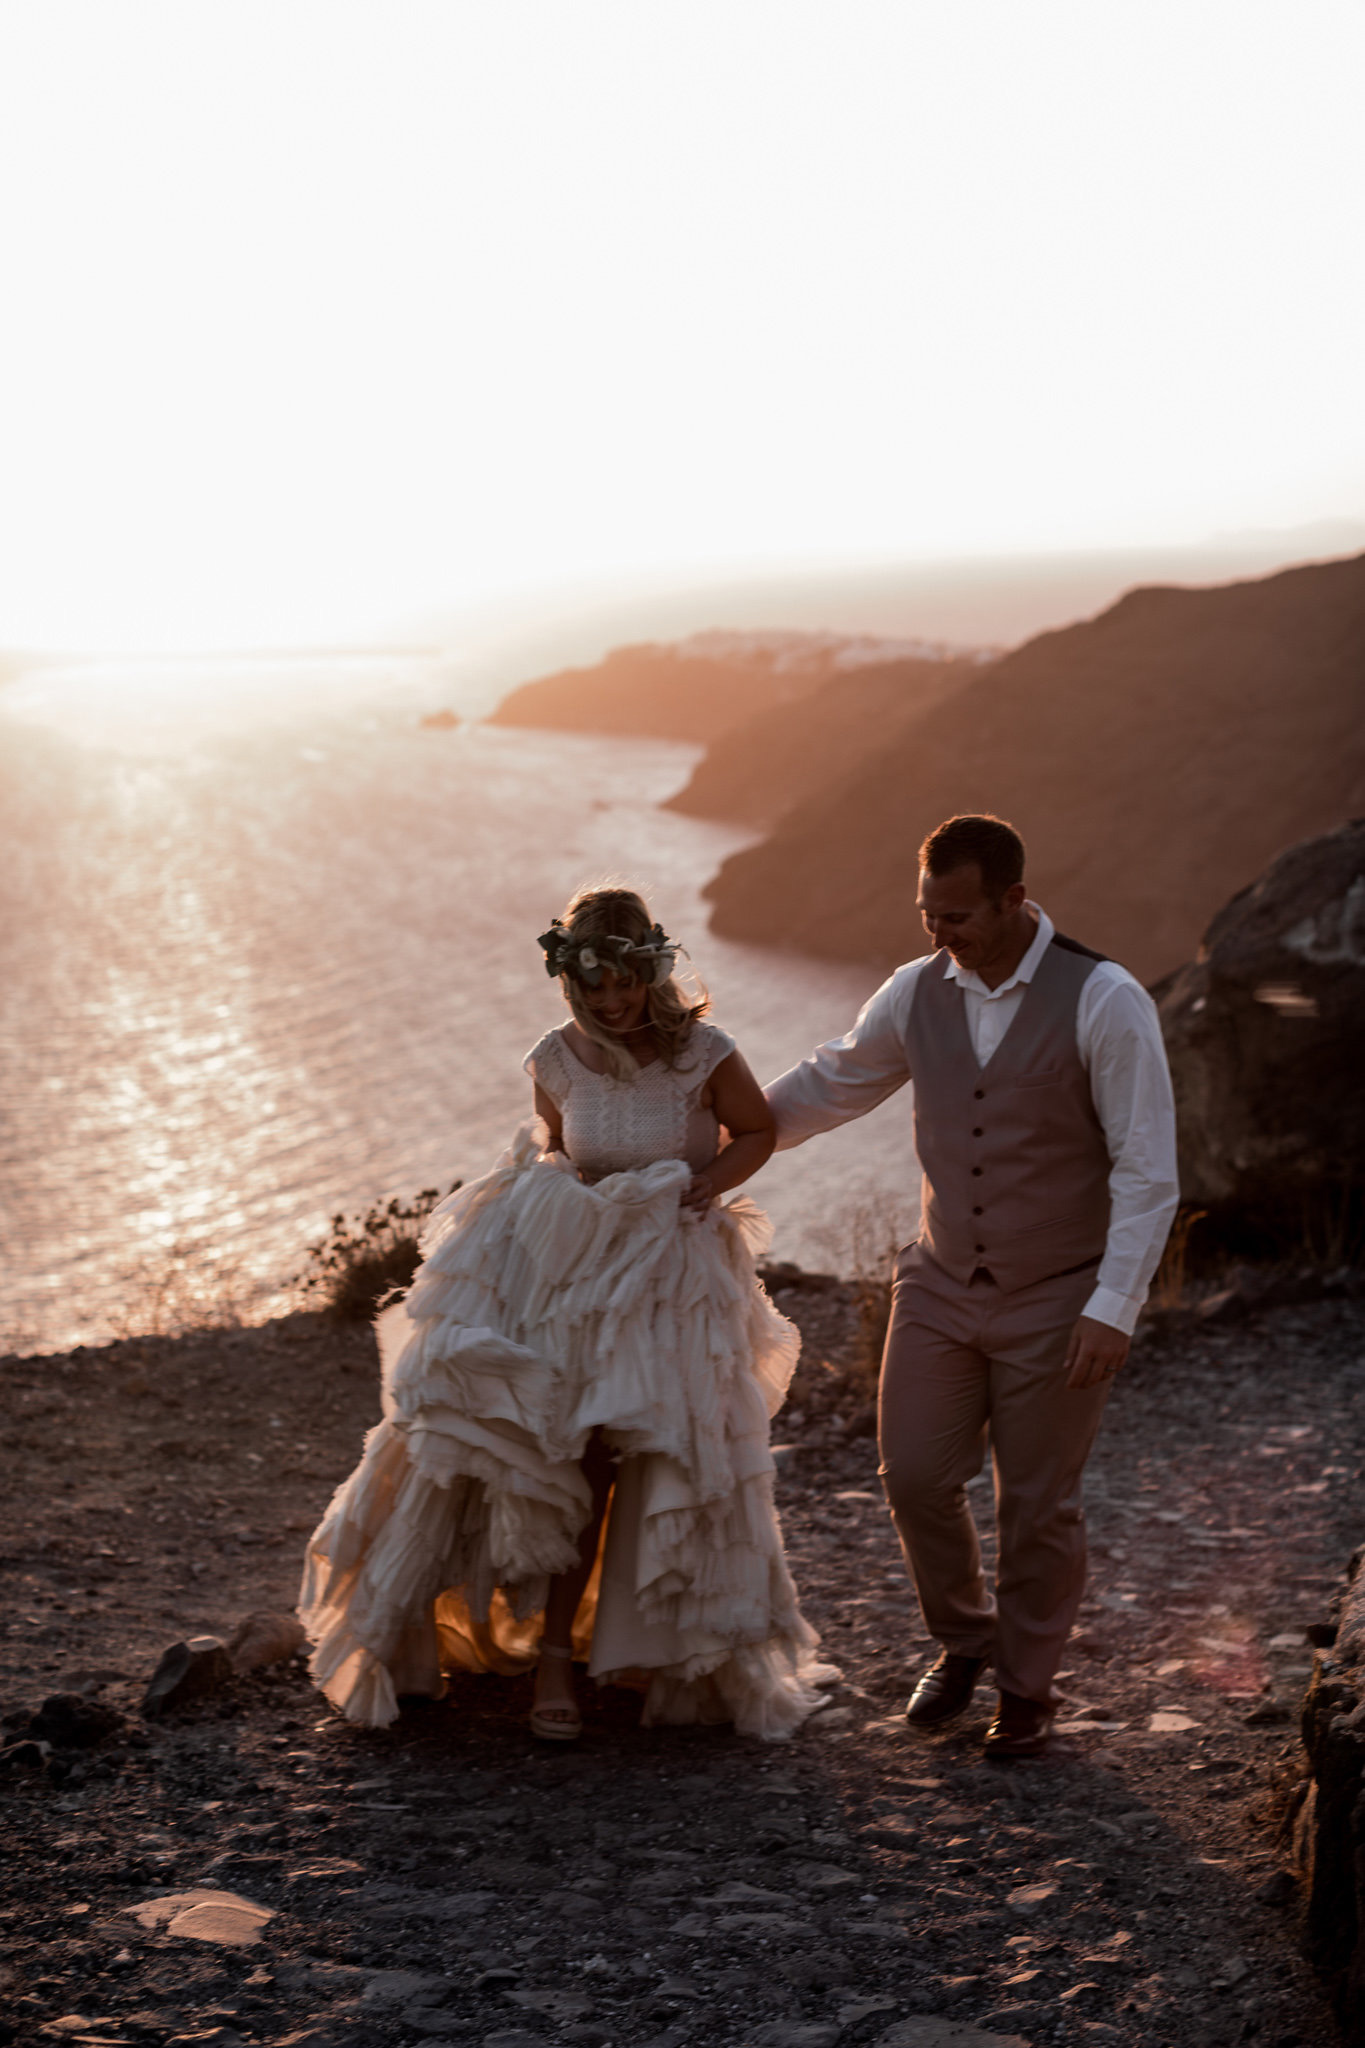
(760, 768)
(1155, 758)
(692, 691)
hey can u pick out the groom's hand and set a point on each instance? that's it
(1095, 1353)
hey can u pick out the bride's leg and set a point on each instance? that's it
(554, 1694)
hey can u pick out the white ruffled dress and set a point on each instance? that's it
(561, 1293)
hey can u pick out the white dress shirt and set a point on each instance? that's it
(1118, 1037)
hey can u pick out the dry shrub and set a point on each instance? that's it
(184, 1288)
(876, 1234)
(365, 1258)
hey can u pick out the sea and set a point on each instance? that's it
(268, 955)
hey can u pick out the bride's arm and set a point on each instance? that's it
(549, 1113)
(738, 1102)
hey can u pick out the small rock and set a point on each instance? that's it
(760, 1923)
(69, 1721)
(264, 1638)
(225, 1918)
(207, 2037)
(187, 1671)
(1088, 1993)
(824, 1877)
(1268, 1714)
(400, 1987)
(318, 1976)
(1028, 1899)
(25, 1756)
(862, 2009)
(830, 1718)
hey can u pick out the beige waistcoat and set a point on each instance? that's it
(1016, 1168)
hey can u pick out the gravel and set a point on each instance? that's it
(450, 1880)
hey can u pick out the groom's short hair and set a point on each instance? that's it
(995, 847)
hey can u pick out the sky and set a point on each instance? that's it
(322, 316)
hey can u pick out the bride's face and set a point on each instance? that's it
(619, 1006)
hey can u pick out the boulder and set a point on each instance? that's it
(1263, 1030)
(264, 1638)
(1329, 1832)
(188, 1671)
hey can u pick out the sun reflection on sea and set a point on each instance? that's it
(273, 962)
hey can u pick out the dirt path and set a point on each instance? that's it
(449, 1880)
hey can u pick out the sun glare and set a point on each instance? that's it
(324, 315)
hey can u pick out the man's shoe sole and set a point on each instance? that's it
(1018, 1746)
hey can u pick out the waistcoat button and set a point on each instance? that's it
(981, 1247)
(978, 1132)
(978, 1212)
(979, 1094)
(976, 1173)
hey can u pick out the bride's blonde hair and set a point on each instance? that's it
(608, 911)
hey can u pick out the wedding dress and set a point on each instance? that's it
(561, 1293)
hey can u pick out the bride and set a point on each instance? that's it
(573, 1459)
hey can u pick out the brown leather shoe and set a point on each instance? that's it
(1021, 1727)
(945, 1689)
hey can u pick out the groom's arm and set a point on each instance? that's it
(848, 1076)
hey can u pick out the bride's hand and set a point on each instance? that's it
(698, 1195)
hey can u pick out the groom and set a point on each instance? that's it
(1044, 1124)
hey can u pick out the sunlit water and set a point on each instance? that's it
(268, 952)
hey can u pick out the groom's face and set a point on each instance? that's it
(961, 918)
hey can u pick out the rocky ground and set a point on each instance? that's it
(449, 1879)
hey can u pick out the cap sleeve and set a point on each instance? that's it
(548, 1065)
(707, 1046)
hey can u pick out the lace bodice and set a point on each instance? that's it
(612, 1126)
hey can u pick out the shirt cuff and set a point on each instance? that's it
(1120, 1311)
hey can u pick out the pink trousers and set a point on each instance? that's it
(965, 1363)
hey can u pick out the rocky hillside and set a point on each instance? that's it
(698, 688)
(759, 769)
(1155, 758)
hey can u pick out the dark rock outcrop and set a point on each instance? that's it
(1330, 1831)
(1153, 758)
(1265, 1030)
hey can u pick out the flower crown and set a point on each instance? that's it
(650, 959)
